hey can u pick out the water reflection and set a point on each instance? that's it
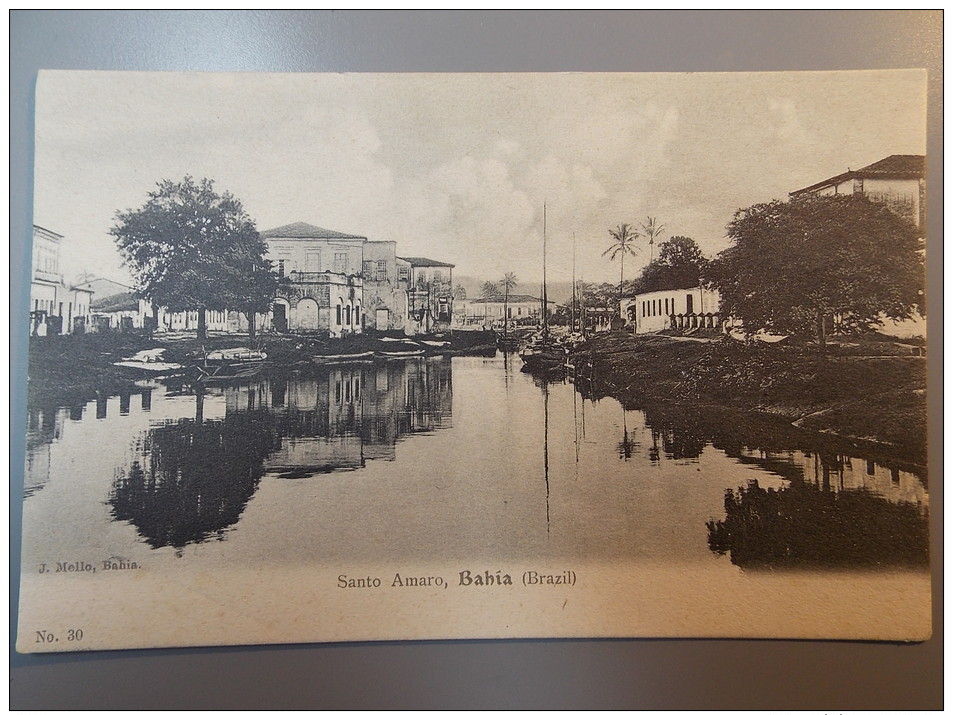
(44, 426)
(811, 525)
(531, 469)
(832, 509)
(189, 480)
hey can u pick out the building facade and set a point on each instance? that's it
(55, 307)
(679, 309)
(429, 288)
(896, 181)
(323, 286)
(488, 312)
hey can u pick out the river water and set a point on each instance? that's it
(452, 461)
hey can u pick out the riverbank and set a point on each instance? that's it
(866, 393)
(74, 369)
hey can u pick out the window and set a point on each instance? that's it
(312, 260)
(689, 303)
(381, 271)
(347, 315)
(368, 269)
(338, 314)
(666, 306)
(281, 266)
(403, 273)
(437, 276)
(340, 262)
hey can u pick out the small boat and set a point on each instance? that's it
(366, 356)
(232, 356)
(230, 375)
(150, 361)
(543, 354)
(391, 354)
(476, 351)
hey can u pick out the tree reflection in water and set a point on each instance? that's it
(195, 477)
(806, 525)
(190, 480)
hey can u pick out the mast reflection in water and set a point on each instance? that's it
(190, 480)
(531, 469)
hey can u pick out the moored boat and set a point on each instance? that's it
(365, 356)
(232, 356)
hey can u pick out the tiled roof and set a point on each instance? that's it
(300, 229)
(895, 166)
(424, 262)
(115, 303)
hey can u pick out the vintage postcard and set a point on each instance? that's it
(371, 357)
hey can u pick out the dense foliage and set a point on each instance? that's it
(191, 248)
(813, 264)
(680, 264)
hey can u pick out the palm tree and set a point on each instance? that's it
(651, 230)
(509, 281)
(623, 241)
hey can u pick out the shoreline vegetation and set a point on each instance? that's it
(868, 395)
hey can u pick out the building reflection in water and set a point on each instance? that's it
(836, 511)
(44, 426)
(189, 481)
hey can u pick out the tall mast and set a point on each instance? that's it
(545, 302)
(572, 313)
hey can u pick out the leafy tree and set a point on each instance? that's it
(459, 292)
(623, 241)
(651, 230)
(194, 249)
(795, 267)
(680, 264)
(490, 290)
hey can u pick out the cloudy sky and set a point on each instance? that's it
(457, 167)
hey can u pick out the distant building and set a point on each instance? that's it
(897, 182)
(120, 311)
(488, 312)
(55, 307)
(104, 287)
(679, 309)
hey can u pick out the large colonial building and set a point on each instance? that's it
(340, 284)
(55, 307)
(897, 181)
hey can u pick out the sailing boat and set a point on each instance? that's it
(543, 353)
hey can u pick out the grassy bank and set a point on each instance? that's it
(865, 393)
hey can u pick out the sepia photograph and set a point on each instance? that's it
(382, 357)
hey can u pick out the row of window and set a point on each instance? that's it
(48, 307)
(660, 306)
(372, 270)
(347, 314)
(312, 262)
